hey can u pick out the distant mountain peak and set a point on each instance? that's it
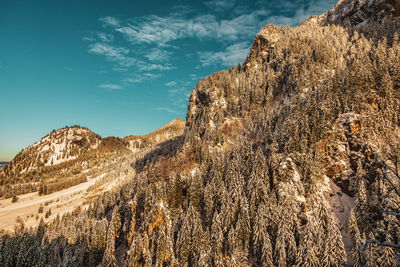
(78, 143)
(170, 130)
(59, 146)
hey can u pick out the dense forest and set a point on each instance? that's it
(251, 181)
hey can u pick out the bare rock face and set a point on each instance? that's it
(336, 151)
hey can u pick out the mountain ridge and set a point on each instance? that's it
(159, 135)
(75, 146)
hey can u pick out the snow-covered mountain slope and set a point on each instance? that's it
(325, 97)
(361, 12)
(166, 132)
(59, 146)
(77, 146)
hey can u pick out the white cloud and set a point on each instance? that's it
(152, 40)
(110, 21)
(111, 86)
(88, 39)
(158, 55)
(105, 37)
(162, 31)
(114, 54)
(230, 57)
(179, 92)
(243, 24)
(293, 12)
(171, 84)
(138, 78)
(153, 29)
(145, 66)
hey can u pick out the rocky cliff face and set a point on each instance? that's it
(322, 98)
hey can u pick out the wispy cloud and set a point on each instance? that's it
(292, 12)
(111, 86)
(105, 37)
(140, 48)
(153, 29)
(88, 39)
(244, 22)
(194, 77)
(178, 92)
(171, 84)
(162, 31)
(158, 55)
(145, 66)
(230, 57)
(110, 21)
(138, 78)
(114, 54)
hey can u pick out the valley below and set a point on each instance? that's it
(27, 206)
(26, 209)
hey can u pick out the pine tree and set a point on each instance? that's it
(258, 185)
(360, 204)
(109, 254)
(98, 240)
(370, 252)
(333, 252)
(261, 238)
(356, 254)
(308, 250)
(217, 235)
(280, 248)
(387, 257)
(285, 245)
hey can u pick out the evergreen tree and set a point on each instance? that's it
(356, 253)
(308, 250)
(109, 253)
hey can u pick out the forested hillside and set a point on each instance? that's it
(291, 158)
(72, 155)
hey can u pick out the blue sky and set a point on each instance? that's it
(119, 67)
